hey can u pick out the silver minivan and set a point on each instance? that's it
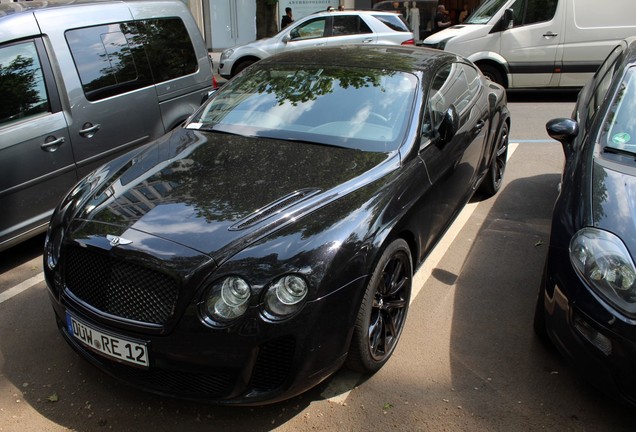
(82, 83)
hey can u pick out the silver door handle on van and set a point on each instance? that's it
(51, 143)
(89, 130)
(550, 35)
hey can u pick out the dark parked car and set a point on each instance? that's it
(250, 254)
(587, 299)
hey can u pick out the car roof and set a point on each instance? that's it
(353, 12)
(14, 8)
(387, 57)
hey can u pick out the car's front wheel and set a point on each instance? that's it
(383, 310)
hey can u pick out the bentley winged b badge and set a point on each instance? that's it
(116, 241)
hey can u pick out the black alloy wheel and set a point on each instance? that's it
(383, 311)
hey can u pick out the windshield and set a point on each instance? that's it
(620, 125)
(365, 109)
(485, 12)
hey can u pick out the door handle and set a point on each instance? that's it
(550, 35)
(51, 143)
(88, 130)
(367, 40)
(479, 126)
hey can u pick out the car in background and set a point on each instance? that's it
(84, 82)
(587, 298)
(330, 28)
(247, 256)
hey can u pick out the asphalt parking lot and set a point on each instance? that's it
(468, 359)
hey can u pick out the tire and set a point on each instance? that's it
(538, 323)
(491, 184)
(242, 64)
(492, 73)
(383, 310)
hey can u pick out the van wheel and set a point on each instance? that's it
(383, 310)
(492, 73)
(242, 65)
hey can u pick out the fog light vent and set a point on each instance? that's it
(593, 336)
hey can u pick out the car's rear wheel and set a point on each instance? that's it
(383, 310)
(494, 178)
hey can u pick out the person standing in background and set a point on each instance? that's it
(464, 14)
(442, 19)
(287, 18)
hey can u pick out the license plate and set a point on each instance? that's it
(110, 345)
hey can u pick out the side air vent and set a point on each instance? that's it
(273, 208)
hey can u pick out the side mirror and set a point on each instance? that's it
(287, 38)
(508, 19)
(449, 126)
(564, 130)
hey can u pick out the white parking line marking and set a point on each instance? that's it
(350, 380)
(23, 286)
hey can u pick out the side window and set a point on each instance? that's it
(110, 59)
(21, 83)
(349, 25)
(539, 11)
(168, 47)
(116, 58)
(603, 80)
(437, 104)
(530, 12)
(310, 29)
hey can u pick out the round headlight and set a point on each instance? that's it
(285, 296)
(228, 299)
(604, 263)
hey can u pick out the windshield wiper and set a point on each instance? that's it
(619, 151)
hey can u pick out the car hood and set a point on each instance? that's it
(211, 191)
(614, 202)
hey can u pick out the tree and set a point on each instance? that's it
(266, 18)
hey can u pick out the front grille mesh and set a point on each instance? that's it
(273, 364)
(120, 288)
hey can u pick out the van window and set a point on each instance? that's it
(21, 83)
(117, 58)
(529, 12)
(169, 48)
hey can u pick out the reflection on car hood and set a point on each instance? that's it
(207, 190)
(614, 203)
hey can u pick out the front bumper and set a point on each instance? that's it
(261, 363)
(598, 341)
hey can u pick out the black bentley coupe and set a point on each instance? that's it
(248, 255)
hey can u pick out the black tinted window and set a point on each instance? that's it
(21, 83)
(169, 48)
(348, 25)
(116, 58)
(394, 22)
(530, 12)
(110, 59)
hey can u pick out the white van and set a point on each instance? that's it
(540, 43)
